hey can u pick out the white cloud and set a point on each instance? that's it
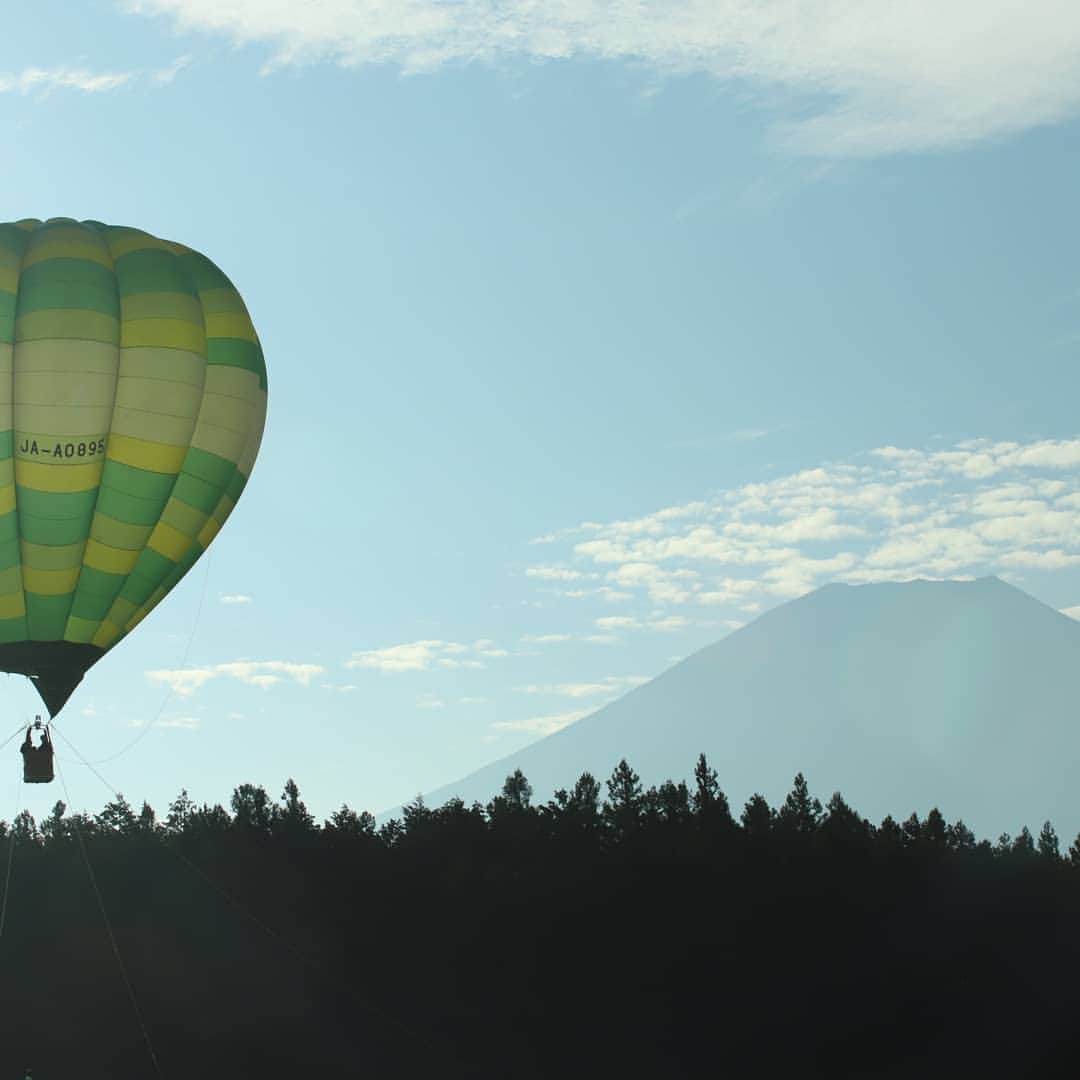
(184, 682)
(267, 672)
(185, 723)
(978, 507)
(543, 639)
(426, 655)
(611, 684)
(46, 79)
(856, 79)
(261, 673)
(235, 598)
(164, 76)
(555, 573)
(542, 725)
(415, 656)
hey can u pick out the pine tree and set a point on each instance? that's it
(293, 819)
(960, 838)
(1024, 846)
(800, 814)
(934, 832)
(709, 804)
(517, 791)
(625, 805)
(1074, 853)
(757, 818)
(1049, 848)
(842, 827)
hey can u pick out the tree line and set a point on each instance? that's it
(629, 814)
(614, 929)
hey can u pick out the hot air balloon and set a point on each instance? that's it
(132, 405)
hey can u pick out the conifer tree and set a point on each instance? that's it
(625, 805)
(959, 837)
(709, 804)
(1049, 848)
(1024, 845)
(293, 818)
(800, 814)
(757, 818)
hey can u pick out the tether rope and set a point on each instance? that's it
(11, 852)
(172, 689)
(314, 965)
(112, 936)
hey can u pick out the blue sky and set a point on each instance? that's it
(593, 331)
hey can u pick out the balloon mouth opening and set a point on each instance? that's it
(54, 667)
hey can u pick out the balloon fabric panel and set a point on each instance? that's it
(132, 403)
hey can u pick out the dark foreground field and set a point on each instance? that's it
(645, 934)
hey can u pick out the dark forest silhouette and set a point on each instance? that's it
(613, 931)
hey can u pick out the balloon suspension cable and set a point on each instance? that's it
(112, 936)
(11, 852)
(172, 689)
(18, 731)
(307, 961)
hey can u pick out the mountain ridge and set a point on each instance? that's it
(902, 695)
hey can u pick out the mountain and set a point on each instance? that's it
(958, 694)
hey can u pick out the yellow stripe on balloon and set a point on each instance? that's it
(164, 333)
(125, 241)
(57, 478)
(106, 634)
(12, 606)
(74, 243)
(230, 324)
(80, 630)
(140, 454)
(50, 582)
(170, 542)
(108, 559)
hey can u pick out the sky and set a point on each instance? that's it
(594, 330)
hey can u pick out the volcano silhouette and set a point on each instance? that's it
(963, 695)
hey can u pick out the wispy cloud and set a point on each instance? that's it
(556, 573)
(262, 673)
(235, 598)
(164, 76)
(609, 685)
(425, 655)
(184, 723)
(43, 80)
(855, 79)
(542, 725)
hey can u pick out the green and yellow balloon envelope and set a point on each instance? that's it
(132, 404)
